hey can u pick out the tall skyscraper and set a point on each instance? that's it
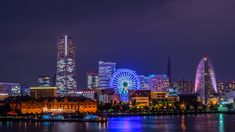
(65, 76)
(205, 80)
(92, 80)
(106, 70)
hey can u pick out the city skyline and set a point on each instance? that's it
(117, 65)
(140, 40)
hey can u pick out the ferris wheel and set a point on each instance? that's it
(124, 80)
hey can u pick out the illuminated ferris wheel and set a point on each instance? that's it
(124, 80)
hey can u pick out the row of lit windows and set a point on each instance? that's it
(88, 106)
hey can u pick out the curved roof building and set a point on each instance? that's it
(205, 80)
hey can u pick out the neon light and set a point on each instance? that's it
(124, 80)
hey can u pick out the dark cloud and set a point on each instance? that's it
(136, 34)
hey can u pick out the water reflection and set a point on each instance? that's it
(203, 122)
(183, 123)
(221, 123)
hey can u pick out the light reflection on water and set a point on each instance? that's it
(202, 122)
(221, 123)
(183, 127)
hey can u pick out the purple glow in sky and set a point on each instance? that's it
(135, 34)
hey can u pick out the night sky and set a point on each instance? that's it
(136, 34)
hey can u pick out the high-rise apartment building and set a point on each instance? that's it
(92, 80)
(159, 83)
(144, 82)
(106, 70)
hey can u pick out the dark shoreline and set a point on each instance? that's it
(47, 120)
(108, 115)
(166, 114)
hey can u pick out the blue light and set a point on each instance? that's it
(124, 80)
(59, 117)
(151, 75)
(46, 117)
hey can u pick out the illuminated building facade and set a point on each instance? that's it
(55, 105)
(3, 96)
(159, 83)
(69, 105)
(12, 89)
(31, 106)
(158, 95)
(230, 98)
(88, 106)
(88, 93)
(139, 101)
(60, 105)
(139, 98)
(230, 86)
(44, 81)
(106, 70)
(24, 104)
(205, 80)
(225, 87)
(172, 95)
(144, 82)
(183, 87)
(108, 96)
(124, 80)
(221, 88)
(92, 80)
(66, 76)
(39, 92)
